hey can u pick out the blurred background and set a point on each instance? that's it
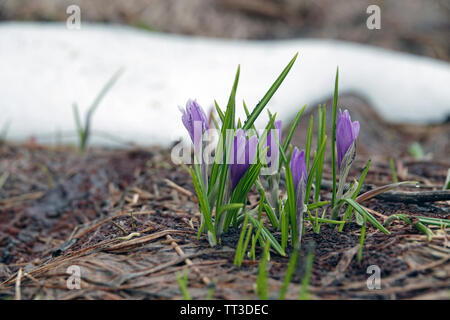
(421, 27)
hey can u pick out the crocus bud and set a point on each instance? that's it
(273, 151)
(195, 121)
(242, 155)
(298, 168)
(346, 133)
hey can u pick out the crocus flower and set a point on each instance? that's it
(346, 133)
(298, 168)
(195, 121)
(242, 156)
(273, 151)
(299, 176)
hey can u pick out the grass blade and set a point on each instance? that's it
(292, 128)
(260, 106)
(358, 208)
(333, 137)
(262, 285)
(289, 273)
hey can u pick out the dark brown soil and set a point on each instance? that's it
(59, 209)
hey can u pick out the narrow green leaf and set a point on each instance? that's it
(262, 286)
(202, 199)
(303, 295)
(312, 171)
(393, 170)
(292, 128)
(289, 273)
(308, 141)
(362, 178)
(362, 238)
(267, 236)
(366, 214)
(260, 106)
(291, 205)
(182, 283)
(219, 112)
(239, 248)
(333, 137)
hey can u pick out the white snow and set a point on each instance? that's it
(45, 68)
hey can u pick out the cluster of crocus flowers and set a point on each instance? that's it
(242, 155)
(242, 158)
(346, 134)
(195, 121)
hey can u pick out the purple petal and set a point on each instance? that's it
(346, 133)
(243, 155)
(355, 129)
(272, 144)
(195, 121)
(298, 166)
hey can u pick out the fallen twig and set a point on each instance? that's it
(180, 252)
(400, 196)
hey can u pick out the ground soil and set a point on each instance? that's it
(58, 209)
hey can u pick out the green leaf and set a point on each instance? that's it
(308, 141)
(333, 137)
(292, 128)
(321, 136)
(291, 205)
(358, 208)
(447, 181)
(271, 215)
(362, 238)
(219, 112)
(393, 170)
(317, 205)
(182, 283)
(230, 206)
(362, 178)
(267, 236)
(303, 295)
(240, 244)
(260, 106)
(262, 286)
(316, 161)
(254, 240)
(218, 170)
(202, 199)
(289, 273)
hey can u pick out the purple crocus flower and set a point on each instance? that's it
(299, 177)
(273, 151)
(242, 155)
(346, 133)
(195, 121)
(298, 168)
